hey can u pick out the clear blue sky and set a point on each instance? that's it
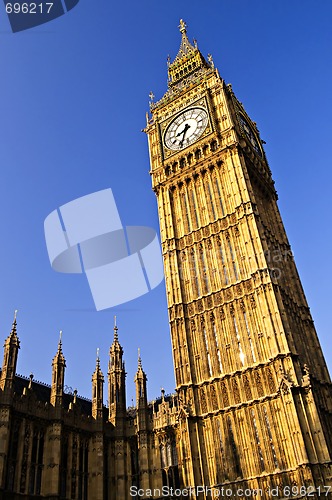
(73, 98)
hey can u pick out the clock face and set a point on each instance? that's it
(250, 135)
(186, 128)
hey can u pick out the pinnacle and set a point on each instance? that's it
(13, 332)
(185, 47)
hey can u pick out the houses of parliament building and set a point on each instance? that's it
(252, 412)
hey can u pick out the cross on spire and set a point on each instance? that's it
(182, 26)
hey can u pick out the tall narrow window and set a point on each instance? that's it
(207, 351)
(169, 453)
(174, 454)
(205, 273)
(33, 464)
(221, 444)
(241, 354)
(249, 337)
(186, 210)
(64, 467)
(217, 347)
(219, 196)
(224, 269)
(163, 456)
(269, 433)
(194, 270)
(194, 207)
(12, 455)
(233, 260)
(211, 200)
(258, 443)
(233, 447)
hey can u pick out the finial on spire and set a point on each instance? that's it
(139, 358)
(98, 359)
(13, 331)
(60, 340)
(115, 329)
(183, 26)
(210, 59)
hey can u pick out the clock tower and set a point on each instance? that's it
(254, 393)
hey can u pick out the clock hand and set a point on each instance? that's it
(184, 134)
(184, 130)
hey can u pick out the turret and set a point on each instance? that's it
(58, 375)
(97, 390)
(11, 347)
(116, 381)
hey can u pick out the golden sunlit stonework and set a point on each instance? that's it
(253, 388)
(251, 416)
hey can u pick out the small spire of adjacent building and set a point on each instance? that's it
(139, 358)
(116, 380)
(115, 329)
(58, 375)
(59, 355)
(11, 347)
(14, 324)
(97, 390)
(140, 381)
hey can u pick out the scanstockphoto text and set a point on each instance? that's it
(281, 492)
(194, 265)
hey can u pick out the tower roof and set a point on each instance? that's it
(185, 47)
(188, 59)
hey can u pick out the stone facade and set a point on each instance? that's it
(252, 409)
(248, 364)
(57, 445)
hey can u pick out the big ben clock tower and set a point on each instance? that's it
(254, 393)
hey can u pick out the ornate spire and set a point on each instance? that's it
(98, 369)
(13, 332)
(58, 375)
(116, 338)
(188, 59)
(116, 380)
(97, 390)
(11, 347)
(185, 46)
(140, 381)
(59, 355)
